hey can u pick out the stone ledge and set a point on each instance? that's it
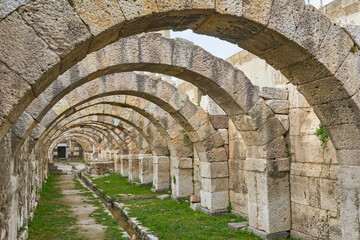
(141, 231)
(297, 234)
(213, 213)
(268, 236)
(238, 225)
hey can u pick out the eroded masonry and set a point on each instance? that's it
(91, 80)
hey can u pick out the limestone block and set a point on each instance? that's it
(146, 169)
(347, 136)
(307, 149)
(161, 175)
(134, 168)
(219, 121)
(214, 141)
(306, 169)
(338, 112)
(284, 119)
(217, 154)
(214, 201)
(329, 195)
(239, 203)
(225, 135)
(273, 93)
(329, 85)
(297, 117)
(296, 99)
(23, 125)
(335, 228)
(183, 185)
(330, 154)
(36, 58)
(181, 163)
(214, 169)
(52, 21)
(299, 189)
(278, 106)
(214, 184)
(99, 15)
(132, 10)
(310, 221)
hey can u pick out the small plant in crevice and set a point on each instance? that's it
(174, 179)
(289, 153)
(354, 49)
(229, 207)
(186, 138)
(168, 154)
(323, 137)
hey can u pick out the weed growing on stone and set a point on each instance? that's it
(323, 137)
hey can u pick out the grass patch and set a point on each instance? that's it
(175, 220)
(117, 187)
(53, 220)
(113, 230)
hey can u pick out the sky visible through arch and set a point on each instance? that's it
(220, 48)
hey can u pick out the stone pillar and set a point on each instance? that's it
(269, 197)
(349, 183)
(124, 165)
(161, 176)
(117, 164)
(181, 179)
(146, 168)
(214, 192)
(134, 167)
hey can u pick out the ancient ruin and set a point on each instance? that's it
(271, 134)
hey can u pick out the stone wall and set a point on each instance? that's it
(98, 168)
(344, 11)
(314, 188)
(20, 182)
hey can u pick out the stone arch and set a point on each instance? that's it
(79, 119)
(266, 29)
(76, 123)
(157, 116)
(82, 142)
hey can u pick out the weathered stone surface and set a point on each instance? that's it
(309, 220)
(100, 16)
(269, 93)
(219, 121)
(238, 225)
(57, 24)
(7, 6)
(12, 88)
(36, 58)
(278, 106)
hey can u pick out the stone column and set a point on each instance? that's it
(134, 167)
(269, 197)
(161, 176)
(349, 183)
(117, 164)
(181, 179)
(124, 165)
(214, 192)
(146, 168)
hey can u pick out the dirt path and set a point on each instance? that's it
(88, 228)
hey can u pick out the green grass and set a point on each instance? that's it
(53, 220)
(175, 220)
(116, 187)
(113, 231)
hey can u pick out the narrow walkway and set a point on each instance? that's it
(88, 228)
